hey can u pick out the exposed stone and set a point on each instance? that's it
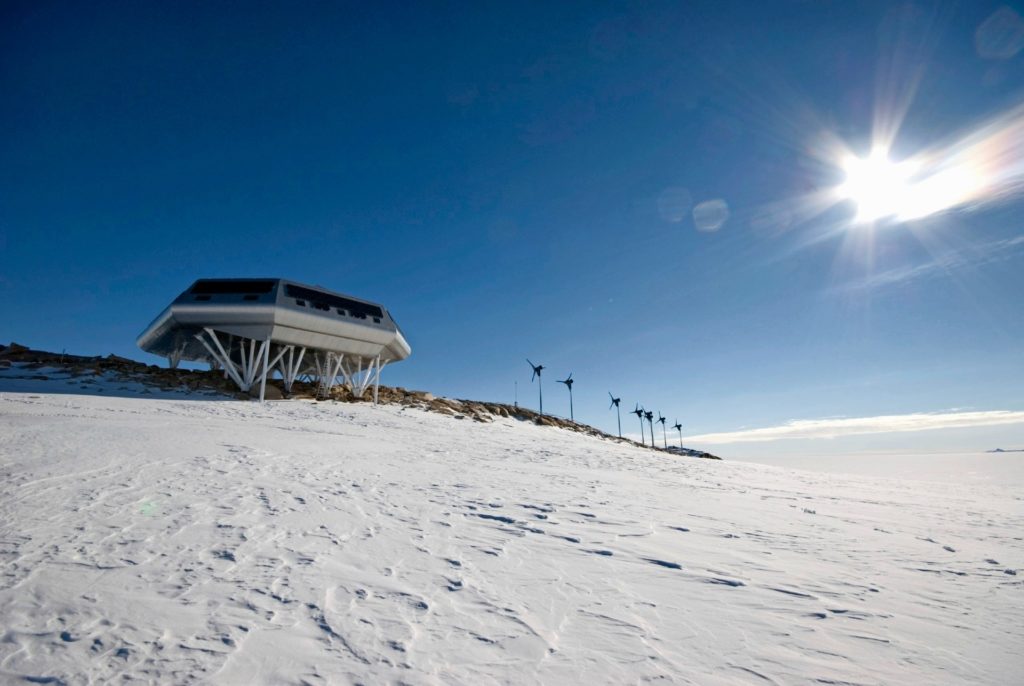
(272, 392)
(453, 404)
(205, 381)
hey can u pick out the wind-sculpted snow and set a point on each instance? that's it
(173, 541)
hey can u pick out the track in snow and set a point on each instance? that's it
(172, 540)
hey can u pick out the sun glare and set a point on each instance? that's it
(880, 187)
(982, 167)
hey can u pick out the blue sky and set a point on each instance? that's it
(520, 180)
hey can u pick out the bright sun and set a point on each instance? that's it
(904, 191)
(880, 188)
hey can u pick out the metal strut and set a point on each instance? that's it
(254, 364)
(174, 359)
(327, 370)
(250, 367)
(359, 379)
(291, 367)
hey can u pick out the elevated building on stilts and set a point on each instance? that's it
(254, 328)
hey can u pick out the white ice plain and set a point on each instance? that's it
(224, 542)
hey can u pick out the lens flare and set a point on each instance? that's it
(983, 167)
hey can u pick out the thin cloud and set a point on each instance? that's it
(851, 426)
(995, 251)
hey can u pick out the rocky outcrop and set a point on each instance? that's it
(206, 381)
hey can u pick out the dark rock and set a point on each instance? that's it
(271, 392)
(124, 369)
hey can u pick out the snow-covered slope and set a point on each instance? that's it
(176, 541)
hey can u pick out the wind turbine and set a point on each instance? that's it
(664, 436)
(679, 427)
(639, 412)
(650, 420)
(568, 383)
(537, 369)
(618, 415)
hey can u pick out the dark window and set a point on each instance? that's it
(342, 312)
(233, 286)
(376, 320)
(250, 296)
(359, 310)
(322, 306)
(300, 303)
(202, 297)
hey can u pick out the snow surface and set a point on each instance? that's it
(176, 541)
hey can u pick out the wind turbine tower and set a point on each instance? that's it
(664, 436)
(650, 420)
(639, 412)
(537, 369)
(618, 415)
(568, 384)
(679, 427)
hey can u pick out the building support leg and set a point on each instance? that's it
(221, 356)
(327, 370)
(266, 370)
(174, 359)
(363, 379)
(251, 364)
(291, 367)
(376, 379)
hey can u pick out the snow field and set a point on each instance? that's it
(180, 540)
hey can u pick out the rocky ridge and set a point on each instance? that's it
(35, 364)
